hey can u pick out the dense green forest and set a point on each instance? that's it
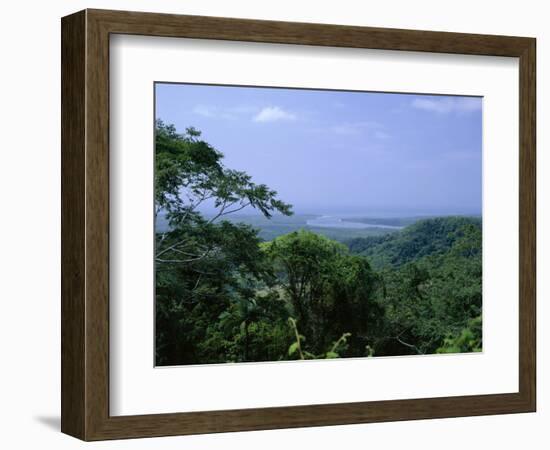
(423, 238)
(224, 293)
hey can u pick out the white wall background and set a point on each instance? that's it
(30, 234)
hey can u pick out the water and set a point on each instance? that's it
(338, 222)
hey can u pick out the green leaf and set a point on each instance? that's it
(292, 349)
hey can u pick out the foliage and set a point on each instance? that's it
(223, 294)
(329, 290)
(434, 296)
(468, 340)
(423, 238)
(296, 347)
(204, 267)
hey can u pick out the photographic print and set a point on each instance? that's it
(303, 224)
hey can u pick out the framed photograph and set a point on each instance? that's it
(273, 225)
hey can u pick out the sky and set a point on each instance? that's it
(339, 151)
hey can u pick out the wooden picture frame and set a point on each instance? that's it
(85, 224)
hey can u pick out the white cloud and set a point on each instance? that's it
(215, 112)
(446, 105)
(266, 114)
(273, 114)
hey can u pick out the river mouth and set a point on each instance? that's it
(338, 222)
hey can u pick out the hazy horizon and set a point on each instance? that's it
(337, 152)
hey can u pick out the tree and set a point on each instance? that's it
(331, 291)
(468, 340)
(224, 295)
(434, 296)
(242, 314)
(202, 263)
(303, 262)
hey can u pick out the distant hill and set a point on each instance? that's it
(279, 225)
(423, 238)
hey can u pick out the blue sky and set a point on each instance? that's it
(346, 152)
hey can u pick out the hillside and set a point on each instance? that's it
(423, 238)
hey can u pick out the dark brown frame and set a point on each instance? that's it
(85, 224)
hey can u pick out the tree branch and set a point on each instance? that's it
(414, 347)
